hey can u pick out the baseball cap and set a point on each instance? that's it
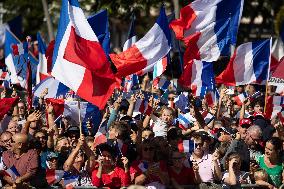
(246, 123)
(51, 155)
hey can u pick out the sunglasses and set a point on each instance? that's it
(171, 99)
(150, 149)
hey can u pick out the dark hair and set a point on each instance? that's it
(229, 157)
(106, 147)
(173, 134)
(277, 143)
(122, 128)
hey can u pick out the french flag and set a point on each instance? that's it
(140, 105)
(143, 166)
(208, 28)
(55, 88)
(161, 83)
(70, 108)
(199, 76)
(20, 49)
(42, 69)
(207, 116)
(69, 180)
(144, 54)
(53, 176)
(275, 105)
(16, 60)
(79, 61)
(186, 146)
(240, 98)
(160, 67)
(277, 50)
(249, 64)
(185, 120)
(12, 172)
(212, 97)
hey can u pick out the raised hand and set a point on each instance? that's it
(44, 93)
(35, 116)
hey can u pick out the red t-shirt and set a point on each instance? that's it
(117, 179)
(139, 167)
(184, 177)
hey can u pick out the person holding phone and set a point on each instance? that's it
(233, 175)
(271, 161)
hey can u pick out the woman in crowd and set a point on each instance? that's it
(272, 162)
(147, 170)
(107, 174)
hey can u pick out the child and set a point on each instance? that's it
(162, 124)
(261, 178)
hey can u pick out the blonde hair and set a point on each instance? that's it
(261, 175)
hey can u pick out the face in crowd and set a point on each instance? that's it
(6, 140)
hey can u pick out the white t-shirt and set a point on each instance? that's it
(160, 128)
(242, 175)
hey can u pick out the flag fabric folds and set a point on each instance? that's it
(249, 64)
(208, 28)
(275, 105)
(79, 61)
(6, 104)
(199, 76)
(99, 24)
(147, 51)
(17, 62)
(55, 88)
(42, 68)
(89, 112)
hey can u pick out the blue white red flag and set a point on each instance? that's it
(147, 51)
(12, 172)
(208, 28)
(54, 87)
(42, 68)
(89, 112)
(249, 64)
(199, 76)
(186, 146)
(161, 83)
(79, 61)
(131, 80)
(240, 98)
(17, 62)
(53, 176)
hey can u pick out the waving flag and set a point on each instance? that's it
(99, 24)
(14, 25)
(147, 51)
(54, 176)
(12, 172)
(6, 104)
(42, 69)
(277, 50)
(249, 64)
(17, 62)
(131, 80)
(186, 146)
(161, 83)
(55, 88)
(198, 76)
(89, 112)
(275, 105)
(240, 98)
(185, 120)
(208, 28)
(79, 61)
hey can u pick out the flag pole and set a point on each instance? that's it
(80, 121)
(268, 77)
(265, 97)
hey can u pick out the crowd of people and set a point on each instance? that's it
(148, 149)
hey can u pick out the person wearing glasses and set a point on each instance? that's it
(6, 140)
(247, 148)
(209, 167)
(147, 170)
(179, 173)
